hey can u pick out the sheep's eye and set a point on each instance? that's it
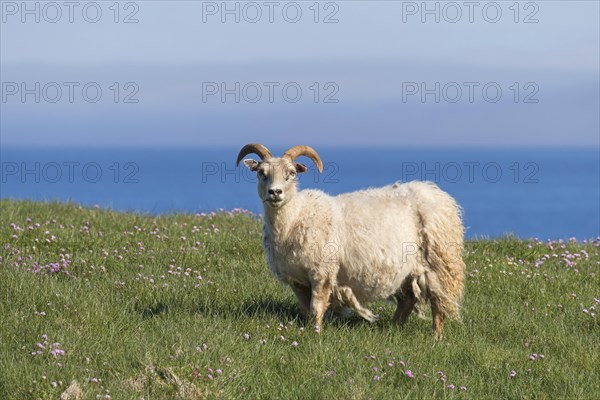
(261, 174)
(291, 175)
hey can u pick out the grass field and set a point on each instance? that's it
(99, 304)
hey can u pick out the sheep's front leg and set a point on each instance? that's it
(303, 294)
(321, 291)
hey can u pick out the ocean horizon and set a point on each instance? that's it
(530, 193)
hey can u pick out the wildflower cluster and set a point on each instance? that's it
(560, 252)
(591, 310)
(52, 268)
(441, 376)
(208, 375)
(44, 347)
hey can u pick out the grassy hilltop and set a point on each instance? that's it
(100, 304)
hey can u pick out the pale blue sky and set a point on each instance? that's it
(370, 59)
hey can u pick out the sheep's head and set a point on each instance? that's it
(277, 175)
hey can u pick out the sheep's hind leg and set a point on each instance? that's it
(349, 299)
(438, 317)
(303, 295)
(405, 306)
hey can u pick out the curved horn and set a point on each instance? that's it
(253, 148)
(309, 152)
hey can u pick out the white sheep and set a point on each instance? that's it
(401, 242)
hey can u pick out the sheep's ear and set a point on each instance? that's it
(251, 164)
(300, 168)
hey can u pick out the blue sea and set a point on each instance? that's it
(549, 193)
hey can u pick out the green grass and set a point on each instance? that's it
(124, 321)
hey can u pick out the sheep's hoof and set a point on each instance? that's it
(318, 329)
(369, 316)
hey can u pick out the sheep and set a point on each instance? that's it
(402, 242)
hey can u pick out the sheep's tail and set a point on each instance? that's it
(442, 235)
